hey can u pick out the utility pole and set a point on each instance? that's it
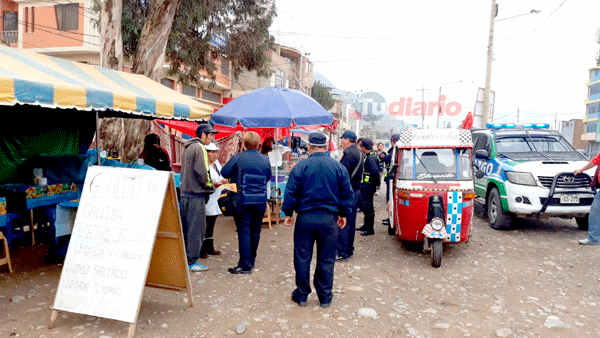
(422, 90)
(556, 121)
(488, 72)
(518, 113)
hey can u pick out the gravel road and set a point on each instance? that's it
(531, 281)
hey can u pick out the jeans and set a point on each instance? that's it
(320, 227)
(594, 219)
(249, 224)
(345, 240)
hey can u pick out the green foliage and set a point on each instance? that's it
(245, 23)
(322, 95)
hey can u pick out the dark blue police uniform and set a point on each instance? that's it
(369, 184)
(352, 160)
(319, 190)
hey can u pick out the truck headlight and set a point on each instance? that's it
(520, 178)
(437, 224)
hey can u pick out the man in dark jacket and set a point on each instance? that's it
(389, 173)
(319, 190)
(352, 160)
(196, 186)
(368, 186)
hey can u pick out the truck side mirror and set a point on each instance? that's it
(478, 172)
(482, 153)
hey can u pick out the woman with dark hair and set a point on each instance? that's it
(251, 172)
(267, 146)
(154, 155)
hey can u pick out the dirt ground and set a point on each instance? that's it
(531, 281)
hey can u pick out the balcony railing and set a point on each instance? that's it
(10, 36)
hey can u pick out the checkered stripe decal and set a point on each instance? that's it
(465, 136)
(405, 138)
(454, 215)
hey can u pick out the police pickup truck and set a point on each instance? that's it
(528, 171)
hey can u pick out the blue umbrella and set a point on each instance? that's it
(272, 107)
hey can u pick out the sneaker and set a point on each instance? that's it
(386, 221)
(340, 258)
(196, 267)
(588, 242)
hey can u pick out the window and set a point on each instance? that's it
(224, 66)
(32, 19)
(523, 144)
(595, 89)
(593, 108)
(440, 164)
(67, 17)
(10, 21)
(190, 91)
(168, 83)
(26, 19)
(590, 127)
(210, 96)
(279, 78)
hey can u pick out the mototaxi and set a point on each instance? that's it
(432, 191)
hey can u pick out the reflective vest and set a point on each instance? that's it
(366, 175)
(209, 182)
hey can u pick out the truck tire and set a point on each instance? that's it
(582, 222)
(498, 218)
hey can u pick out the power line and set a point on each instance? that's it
(38, 25)
(336, 36)
(548, 17)
(58, 34)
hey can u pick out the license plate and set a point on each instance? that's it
(569, 199)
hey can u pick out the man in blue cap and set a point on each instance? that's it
(369, 183)
(352, 160)
(319, 190)
(196, 187)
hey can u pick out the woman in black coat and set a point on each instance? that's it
(251, 172)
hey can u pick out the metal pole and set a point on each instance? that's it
(488, 72)
(422, 105)
(437, 123)
(98, 139)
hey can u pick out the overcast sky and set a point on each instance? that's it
(395, 48)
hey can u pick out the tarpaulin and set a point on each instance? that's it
(36, 79)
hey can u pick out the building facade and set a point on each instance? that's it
(290, 68)
(592, 111)
(572, 130)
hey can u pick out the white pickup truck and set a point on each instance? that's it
(528, 171)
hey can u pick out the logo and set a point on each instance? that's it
(406, 107)
(372, 107)
(568, 179)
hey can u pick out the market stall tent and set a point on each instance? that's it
(50, 102)
(37, 79)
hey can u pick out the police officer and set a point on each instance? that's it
(389, 173)
(352, 160)
(368, 186)
(319, 190)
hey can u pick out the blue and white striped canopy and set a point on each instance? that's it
(37, 79)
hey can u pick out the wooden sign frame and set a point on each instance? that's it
(168, 267)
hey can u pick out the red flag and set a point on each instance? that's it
(467, 123)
